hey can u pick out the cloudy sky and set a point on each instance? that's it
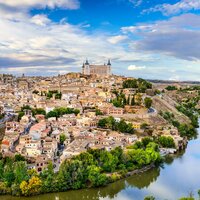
(155, 39)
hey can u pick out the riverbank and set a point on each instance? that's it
(91, 169)
(139, 171)
(167, 182)
(138, 183)
(128, 174)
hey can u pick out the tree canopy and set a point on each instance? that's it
(112, 124)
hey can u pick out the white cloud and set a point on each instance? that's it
(174, 78)
(181, 6)
(175, 37)
(36, 45)
(19, 9)
(135, 68)
(67, 4)
(136, 2)
(36, 70)
(86, 26)
(117, 39)
(128, 29)
(37, 41)
(40, 19)
(138, 28)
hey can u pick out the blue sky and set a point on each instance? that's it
(153, 39)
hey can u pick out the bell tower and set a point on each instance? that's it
(86, 68)
(109, 68)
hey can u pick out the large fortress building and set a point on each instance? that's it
(96, 70)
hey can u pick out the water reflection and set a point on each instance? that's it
(170, 158)
(140, 182)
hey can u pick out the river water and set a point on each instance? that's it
(179, 176)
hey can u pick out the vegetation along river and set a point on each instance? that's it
(179, 176)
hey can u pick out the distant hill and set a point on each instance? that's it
(173, 82)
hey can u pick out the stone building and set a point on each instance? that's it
(96, 70)
(6, 79)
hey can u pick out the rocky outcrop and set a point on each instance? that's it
(166, 104)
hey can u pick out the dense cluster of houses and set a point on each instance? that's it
(43, 138)
(39, 139)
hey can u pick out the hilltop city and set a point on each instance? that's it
(53, 119)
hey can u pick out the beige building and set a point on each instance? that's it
(96, 70)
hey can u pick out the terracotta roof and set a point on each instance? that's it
(6, 142)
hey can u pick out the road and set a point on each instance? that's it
(4, 120)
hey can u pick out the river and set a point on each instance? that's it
(179, 176)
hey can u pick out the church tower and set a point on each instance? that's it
(86, 68)
(109, 67)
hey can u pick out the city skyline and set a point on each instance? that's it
(148, 39)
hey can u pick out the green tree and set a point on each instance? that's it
(133, 101)
(48, 178)
(98, 112)
(137, 145)
(123, 127)
(26, 107)
(19, 157)
(118, 153)
(95, 176)
(52, 114)
(108, 161)
(149, 198)
(62, 138)
(166, 141)
(128, 100)
(20, 172)
(120, 126)
(86, 158)
(110, 123)
(8, 174)
(1, 169)
(20, 115)
(58, 112)
(144, 126)
(72, 175)
(146, 141)
(58, 95)
(38, 111)
(124, 101)
(170, 88)
(130, 83)
(102, 123)
(148, 102)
